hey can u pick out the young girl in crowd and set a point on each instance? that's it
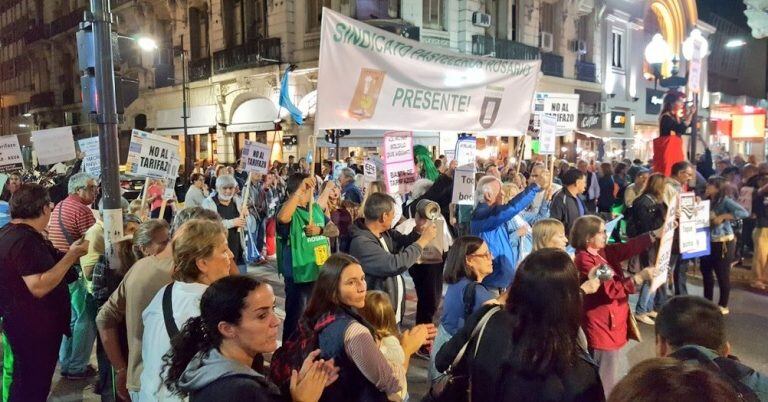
(379, 313)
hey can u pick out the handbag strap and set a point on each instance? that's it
(479, 329)
(170, 323)
(64, 230)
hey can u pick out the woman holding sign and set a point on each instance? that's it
(230, 207)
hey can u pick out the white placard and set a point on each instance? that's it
(369, 171)
(394, 83)
(151, 155)
(466, 152)
(399, 169)
(92, 159)
(256, 157)
(565, 108)
(665, 247)
(463, 187)
(687, 222)
(54, 145)
(10, 154)
(693, 239)
(547, 134)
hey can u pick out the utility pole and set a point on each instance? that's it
(105, 104)
(189, 143)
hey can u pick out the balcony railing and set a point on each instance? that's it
(251, 54)
(511, 50)
(199, 69)
(42, 99)
(66, 22)
(552, 64)
(586, 71)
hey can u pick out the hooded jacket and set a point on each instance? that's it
(383, 267)
(212, 377)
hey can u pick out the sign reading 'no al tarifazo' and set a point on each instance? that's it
(256, 157)
(152, 156)
(400, 84)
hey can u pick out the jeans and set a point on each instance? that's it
(718, 263)
(261, 233)
(649, 301)
(296, 298)
(441, 338)
(679, 275)
(75, 351)
(428, 281)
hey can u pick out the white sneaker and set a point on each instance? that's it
(644, 318)
(724, 310)
(653, 314)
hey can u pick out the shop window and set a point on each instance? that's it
(433, 16)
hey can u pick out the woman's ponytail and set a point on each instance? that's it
(193, 338)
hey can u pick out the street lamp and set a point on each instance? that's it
(656, 54)
(148, 44)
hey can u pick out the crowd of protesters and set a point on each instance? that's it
(522, 296)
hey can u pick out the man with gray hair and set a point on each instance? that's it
(70, 220)
(349, 190)
(489, 223)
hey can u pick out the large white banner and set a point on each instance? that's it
(153, 156)
(374, 79)
(54, 145)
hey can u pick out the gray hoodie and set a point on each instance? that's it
(210, 368)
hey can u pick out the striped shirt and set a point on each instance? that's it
(76, 217)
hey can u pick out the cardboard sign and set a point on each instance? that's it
(256, 157)
(151, 155)
(547, 135)
(92, 159)
(463, 187)
(399, 169)
(698, 243)
(665, 247)
(54, 145)
(369, 171)
(10, 154)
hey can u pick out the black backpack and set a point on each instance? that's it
(728, 369)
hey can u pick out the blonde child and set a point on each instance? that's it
(397, 348)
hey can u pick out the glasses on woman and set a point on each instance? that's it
(486, 254)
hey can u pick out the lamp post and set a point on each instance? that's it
(657, 52)
(695, 49)
(149, 45)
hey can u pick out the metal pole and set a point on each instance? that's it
(106, 119)
(694, 129)
(336, 137)
(189, 143)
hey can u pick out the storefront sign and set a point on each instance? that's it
(618, 119)
(256, 157)
(665, 247)
(398, 84)
(564, 107)
(151, 156)
(399, 168)
(54, 145)
(92, 159)
(587, 121)
(10, 154)
(653, 101)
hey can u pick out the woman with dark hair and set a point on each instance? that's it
(211, 357)
(674, 120)
(607, 188)
(723, 211)
(529, 350)
(648, 212)
(11, 185)
(346, 337)
(467, 263)
(606, 312)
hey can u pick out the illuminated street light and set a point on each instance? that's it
(734, 43)
(689, 46)
(146, 44)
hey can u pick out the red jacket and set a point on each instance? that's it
(606, 311)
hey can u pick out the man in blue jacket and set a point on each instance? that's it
(488, 222)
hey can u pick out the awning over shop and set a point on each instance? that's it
(201, 119)
(374, 138)
(257, 114)
(605, 135)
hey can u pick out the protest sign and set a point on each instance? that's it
(399, 169)
(369, 171)
(563, 107)
(151, 155)
(10, 154)
(687, 222)
(700, 244)
(464, 175)
(394, 83)
(256, 157)
(610, 226)
(337, 168)
(54, 145)
(92, 159)
(547, 135)
(665, 247)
